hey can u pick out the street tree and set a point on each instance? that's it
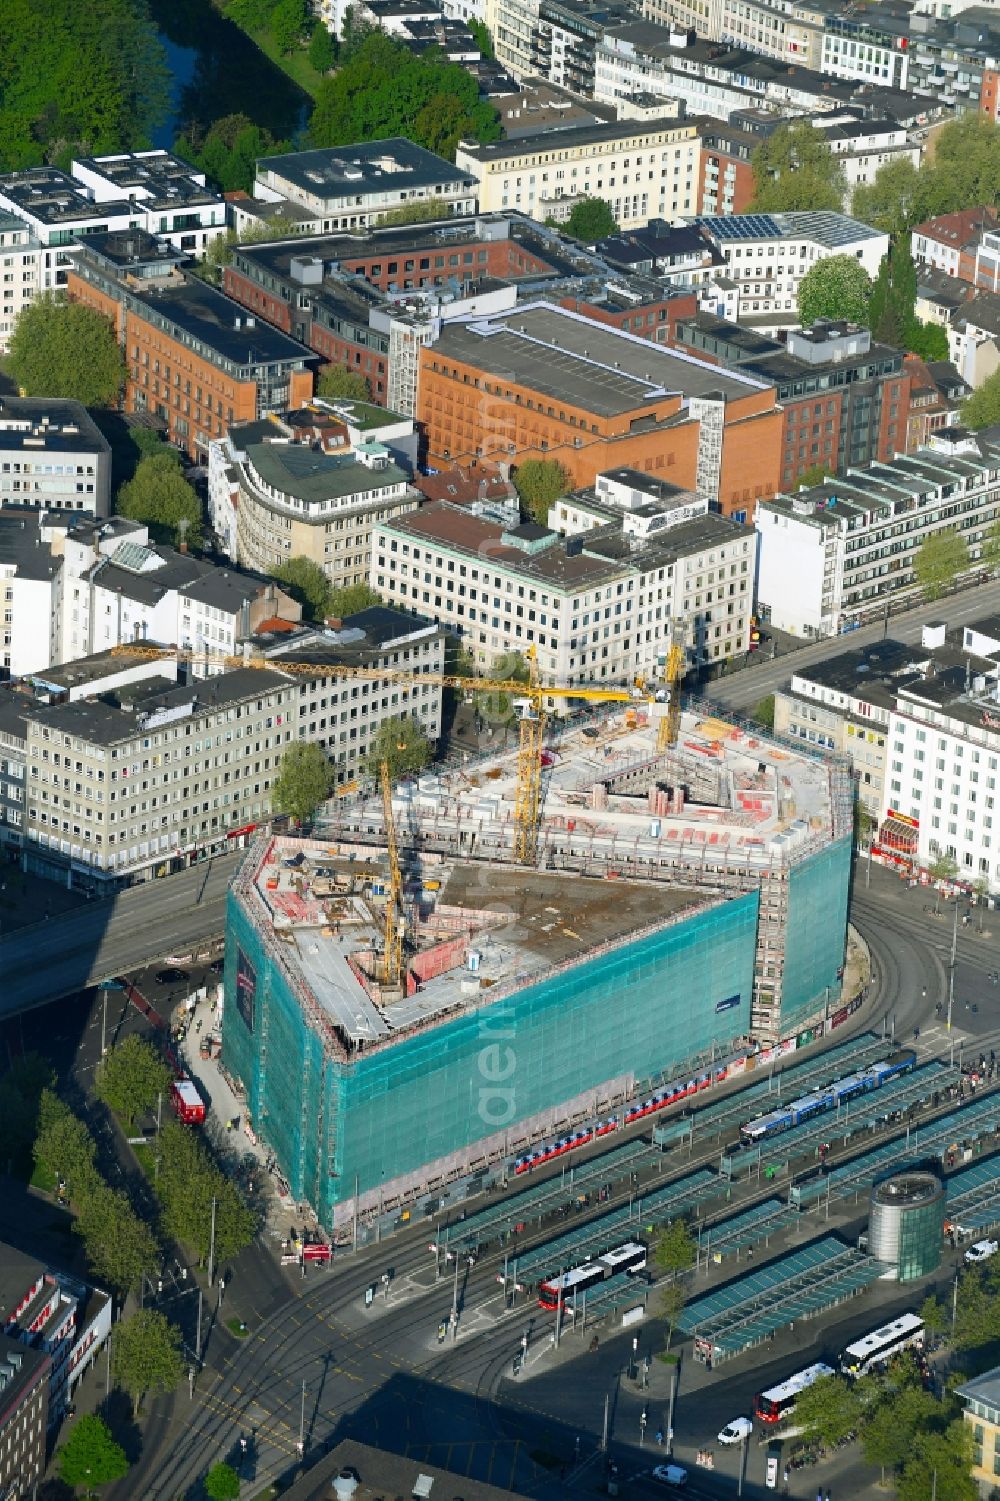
(322, 51)
(146, 1355)
(66, 349)
(763, 712)
(989, 551)
(982, 408)
(303, 782)
(539, 484)
(159, 495)
(892, 201)
(20, 1097)
(674, 1250)
(977, 1311)
(590, 219)
(306, 582)
(673, 1297)
(940, 558)
(337, 383)
(889, 1428)
(189, 1180)
(222, 1483)
(828, 1410)
(497, 707)
(942, 869)
(863, 824)
(932, 1313)
(131, 1076)
(402, 744)
(90, 1456)
(65, 1148)
(838, 287)
(121, 1248)
(939, 1465)
(794, 168)
(352, 599)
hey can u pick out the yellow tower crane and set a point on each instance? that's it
(673, 675)
(392, 955)
(528, 700)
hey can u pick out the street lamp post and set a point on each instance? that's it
(951, 965)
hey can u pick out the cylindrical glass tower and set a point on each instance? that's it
(906, 1226)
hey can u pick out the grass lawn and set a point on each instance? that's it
(42, 1178)
(296, 64)
(237, 1327)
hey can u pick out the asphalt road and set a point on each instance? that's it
(743, 689)
(66, 954)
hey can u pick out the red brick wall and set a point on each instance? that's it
(665, 316)
(272, 309)
(989, 94)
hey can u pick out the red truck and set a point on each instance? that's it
(187, 1102)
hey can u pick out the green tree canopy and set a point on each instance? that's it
(989, 553)
(673, 1297)
(189, 1179)
(93, 79)
(539, 484)
(159, 495)
(90, 1456)
(837, 287)
(352, 599)
(892, 202)
(20, 1096)
(674, 1250)
(337, 383)
(481, 36)
(121, 1248)
(498, 707)
(222, 1483)
(939, 1466)
(382, 89)
(828, 1410)
(794, 168)
(228, 151)
(891, 1427)
(417, 211)
(65, 1147)
(929, 340)
(814, 475)
(322, 49)
(305, 581)
(890, 309)
(403, 744)
(964, 171)
(763, 712)
(303, 782)
(61, 348)
(982, 408)
(130, 1076)
(146, 1355)
(940, 558)
(590, 219)
(288, 23)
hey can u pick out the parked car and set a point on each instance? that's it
(736, 1431)
(982, 1251)
(170, 976)
(673, 1475)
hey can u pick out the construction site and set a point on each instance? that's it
(410, 1006)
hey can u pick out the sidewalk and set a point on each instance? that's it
(27, 899)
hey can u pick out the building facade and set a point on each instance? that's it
(194, 359)
(353, 187)
(833, 553)
(24, 1415)
(547, 383)
(53, 455)
(641, 169)
(597, 600)
(20, 272)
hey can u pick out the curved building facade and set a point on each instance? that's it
(906, 1224)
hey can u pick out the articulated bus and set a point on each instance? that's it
(778, 1401)
(882, 1344)
(630, 1257)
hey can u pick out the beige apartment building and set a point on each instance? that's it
(294, 501)
(149, 777)
(642, 169)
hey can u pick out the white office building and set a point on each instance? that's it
(833, 554)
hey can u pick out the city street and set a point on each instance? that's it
(745, 688)
(43, 962)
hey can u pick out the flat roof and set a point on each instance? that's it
(584, 363)
(381, 1476)
(64, 425)
(313, 477)
(364, 166)
(571, 137)
(224, 326)
(825, 227)
(53, 197)
(158, 178)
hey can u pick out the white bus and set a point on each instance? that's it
(778, 1401)
(882, 1344)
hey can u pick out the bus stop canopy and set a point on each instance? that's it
(805, 1282)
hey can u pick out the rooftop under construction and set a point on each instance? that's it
(684, 900)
